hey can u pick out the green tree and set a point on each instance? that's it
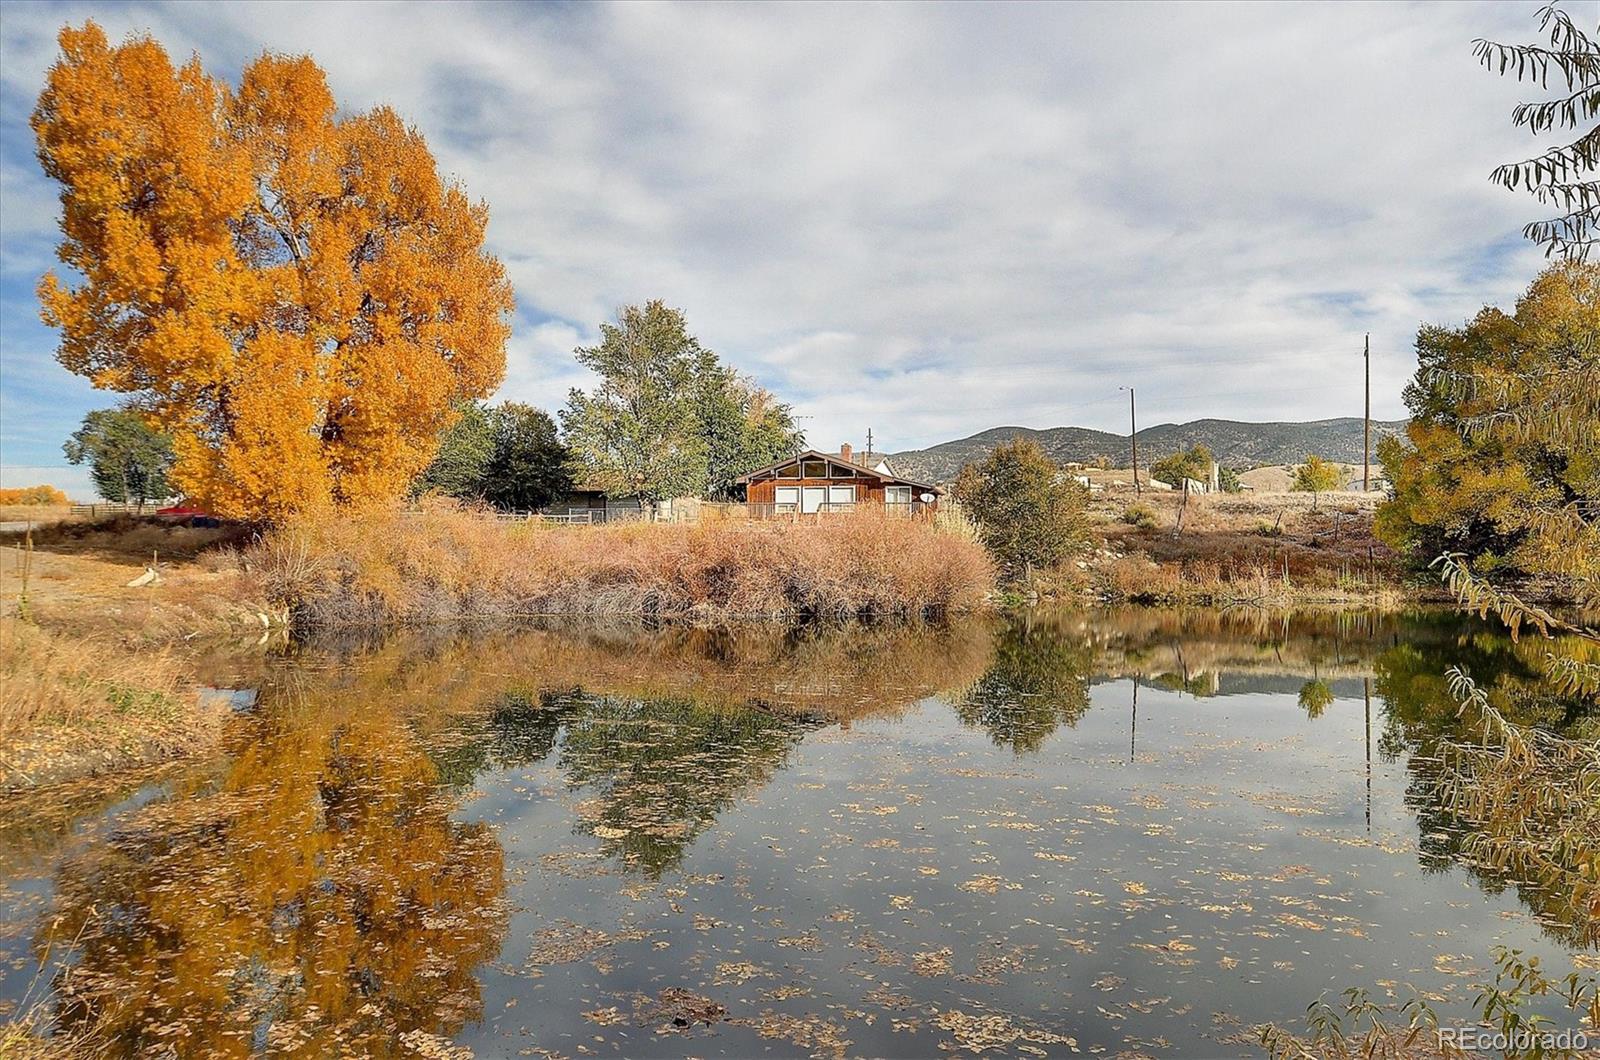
(1028, 512)
(637, 434)
(528, 467)
(669, 419)
(1500, 466)
(1561, 176)
(1316, 476)
(1228, 480)
(128, 461)
(1194, 463)
(744, 426)
(460, 467)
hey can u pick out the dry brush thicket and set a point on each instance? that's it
(446, 563)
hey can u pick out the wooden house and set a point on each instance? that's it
(813, 482)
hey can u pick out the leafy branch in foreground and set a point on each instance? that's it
(1533, 801)
(1358, 1028)
(1560, 176)
(1361, 1028)
(1476, 594)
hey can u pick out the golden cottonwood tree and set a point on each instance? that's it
(297, 296)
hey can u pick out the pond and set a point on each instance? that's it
(1118, 833)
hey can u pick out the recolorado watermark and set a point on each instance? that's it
(1488, 1040)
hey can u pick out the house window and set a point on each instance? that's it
(841, 497)
(813, 469)
(786, 499)
(788, 471)
(897, 495)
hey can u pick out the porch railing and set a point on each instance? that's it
(787, 510)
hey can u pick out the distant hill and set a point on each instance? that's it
(1237, 445)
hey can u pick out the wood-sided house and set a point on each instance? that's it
(814, 482)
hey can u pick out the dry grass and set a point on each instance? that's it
(1271, 550)
(87, 595)
(131, 537)
(70, 706)
(448, 563)
(36, 514)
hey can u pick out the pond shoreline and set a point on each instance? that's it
(385, 572)
(617, 784)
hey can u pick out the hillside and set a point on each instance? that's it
(1237, 445)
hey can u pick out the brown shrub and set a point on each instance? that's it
(445, 562)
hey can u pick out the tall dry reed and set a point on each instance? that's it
(445, 562)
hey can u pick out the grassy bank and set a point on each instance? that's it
(444, 563)
(71, 706)
(99, 663)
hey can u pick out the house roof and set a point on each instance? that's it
(860, 469)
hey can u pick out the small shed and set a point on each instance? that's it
(585, 503)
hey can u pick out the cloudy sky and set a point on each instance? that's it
(926, 220)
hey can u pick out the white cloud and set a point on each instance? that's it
(931, 219)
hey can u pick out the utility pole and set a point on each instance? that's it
(1133, 730)
(1133, 438)
(1366, 693)
(1366, 426)
(869, 443)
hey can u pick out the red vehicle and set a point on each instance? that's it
(183, 512)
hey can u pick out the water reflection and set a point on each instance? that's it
(319, 889)
(1037, 680)
(314, 896)
(651, 775)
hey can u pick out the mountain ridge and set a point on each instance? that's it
(1238, 444)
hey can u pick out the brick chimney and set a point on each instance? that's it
(844, 453)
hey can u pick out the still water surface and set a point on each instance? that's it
(1132, 834)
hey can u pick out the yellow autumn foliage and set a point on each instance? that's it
(298, 296)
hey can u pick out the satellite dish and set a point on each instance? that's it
(927, 498)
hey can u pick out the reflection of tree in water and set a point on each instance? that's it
(1199, 685)
(663, 730)
(1038, 680)
(1420, 713)
(1315, 698)
(318, 900)
(652, 773)
(1411, 680)
(519, 729)
(658, 773)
